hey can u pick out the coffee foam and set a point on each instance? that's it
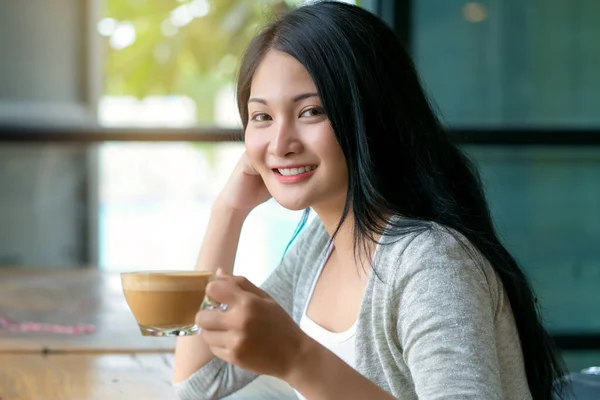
(166, 281)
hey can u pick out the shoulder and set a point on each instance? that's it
(431, 242)
(445, 245)
(440, 257)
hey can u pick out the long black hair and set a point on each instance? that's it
(400, 160)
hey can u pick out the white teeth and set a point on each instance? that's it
(295, 171)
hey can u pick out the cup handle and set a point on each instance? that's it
(209, 304)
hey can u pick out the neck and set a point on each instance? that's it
(330, 214)
(343, 241)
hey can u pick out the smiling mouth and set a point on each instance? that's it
(295, 171)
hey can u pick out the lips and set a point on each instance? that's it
(294, 173)
(295, 170)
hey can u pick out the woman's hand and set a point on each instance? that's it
(245, 188)
(255, 333)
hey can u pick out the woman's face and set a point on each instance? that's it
(289, 139)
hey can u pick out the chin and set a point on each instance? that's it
(293, 205)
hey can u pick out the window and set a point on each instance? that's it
(507, 63)
(548, 214)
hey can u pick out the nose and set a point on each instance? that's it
(285, 140)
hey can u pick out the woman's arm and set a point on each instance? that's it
(321, 375)
(218, 250)
(446, 299)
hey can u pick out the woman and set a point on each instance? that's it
(400, 288)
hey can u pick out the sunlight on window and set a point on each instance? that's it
(123, 36)
(107, 26)
(226, 112)
(151, 112)
(168, 28)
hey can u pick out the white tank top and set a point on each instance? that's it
(342, 343)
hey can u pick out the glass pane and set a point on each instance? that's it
(155, 202)
(546, 205)
(579, 360)
(498, 63)
(43, 205)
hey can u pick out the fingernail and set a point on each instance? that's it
(220, 272)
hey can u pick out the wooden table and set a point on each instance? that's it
(71, 296)
(85, 376)
(114, 362)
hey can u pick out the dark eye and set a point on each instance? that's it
(313, 112)
(261, 117)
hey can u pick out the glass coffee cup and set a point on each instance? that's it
(165, 303)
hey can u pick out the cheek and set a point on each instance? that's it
(255, 148)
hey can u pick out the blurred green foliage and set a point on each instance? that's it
(194, 59)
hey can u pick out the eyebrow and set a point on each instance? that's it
(295, 99)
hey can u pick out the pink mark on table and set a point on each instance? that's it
(21, 326)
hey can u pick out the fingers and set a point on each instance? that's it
(224, 290)
(229, 289)
(242, 282)
(234, 291)
(211, 320)
(219, 339)
(217, 342)
(248, 286)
